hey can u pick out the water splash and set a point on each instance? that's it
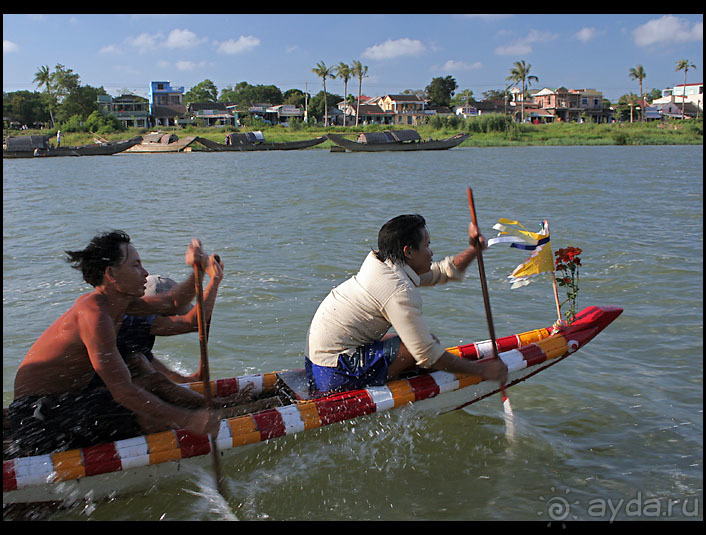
(212, 502)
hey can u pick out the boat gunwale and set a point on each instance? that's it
(534, 351)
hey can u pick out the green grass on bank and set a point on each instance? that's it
(486, 131)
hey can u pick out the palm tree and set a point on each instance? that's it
(684, 65)
(520, 74)
(322, 71)
(639, 74)
(631, 100)
(44, 77)
(344, 71)
(360, 71)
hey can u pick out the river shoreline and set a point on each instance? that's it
(689, 132)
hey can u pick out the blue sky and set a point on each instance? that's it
(401, 51)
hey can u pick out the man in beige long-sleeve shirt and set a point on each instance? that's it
(347, 346)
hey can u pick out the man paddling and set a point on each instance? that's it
(346, 345)
(137, 336)
(60, 401)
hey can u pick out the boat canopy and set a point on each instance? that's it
(27, 143)
(389, 136)
(246, 138)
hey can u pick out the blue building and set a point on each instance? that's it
(167, 104)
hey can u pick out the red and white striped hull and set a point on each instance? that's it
(136, 464)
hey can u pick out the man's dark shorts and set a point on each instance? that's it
(366, 367)
(45, 424)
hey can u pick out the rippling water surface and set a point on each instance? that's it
(614, 432)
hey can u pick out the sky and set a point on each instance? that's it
(402, 51)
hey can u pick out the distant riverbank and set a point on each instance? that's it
(485, 132)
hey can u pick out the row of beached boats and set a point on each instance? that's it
(391, 140)
(136, 464)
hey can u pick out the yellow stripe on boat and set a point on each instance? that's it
(554, 346)
(309, 415)
(243, 430)
(401, 392)
(68, 465)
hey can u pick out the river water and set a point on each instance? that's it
(615, 432)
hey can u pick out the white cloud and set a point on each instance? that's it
(524, 44)
(145, 41)
(110, 49)
(183, 65)
(8, 47)
(242, 44)
(586, 34)
(182, 39)
(668, 29)
(453, 65)
(394, 49)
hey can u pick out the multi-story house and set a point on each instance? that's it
(690, 96)
(560, 102)
(567, 105)
(130, 110)
(167, 104)
(408, 109)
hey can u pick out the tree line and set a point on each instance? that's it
(63, 101)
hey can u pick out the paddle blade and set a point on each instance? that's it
(507, 407)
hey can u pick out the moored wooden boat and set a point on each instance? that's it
(39, 146)
(245, 142)
(159, 142)
(136, 464)
(395, 140)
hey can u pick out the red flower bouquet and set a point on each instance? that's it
(568, 263)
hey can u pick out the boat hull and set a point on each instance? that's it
(181, 145)
(354, 146)
(138, 463)
(96, 149)
(251, 147)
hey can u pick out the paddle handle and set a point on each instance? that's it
(205, 373)
(481, 272)
(203, 334)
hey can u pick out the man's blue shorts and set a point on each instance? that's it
(366, 367)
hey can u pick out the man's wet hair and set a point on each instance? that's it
(398, 232)
(104, 250)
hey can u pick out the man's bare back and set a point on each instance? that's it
(58, 361)
(81, 343)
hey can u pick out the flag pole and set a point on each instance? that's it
(554, 284)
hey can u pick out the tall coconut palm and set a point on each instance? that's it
(323, 72)
(684, 65)
(44, 77)
(360, 71)
(638, 73)
(344, 71)
(520, 74)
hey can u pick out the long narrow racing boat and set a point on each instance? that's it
(136, 464)
(395, 140)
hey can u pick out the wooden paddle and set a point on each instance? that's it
(205, 374)
(486, 298)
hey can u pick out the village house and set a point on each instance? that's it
(408, 109)
(369, 110)
(167, 105)
(131, 110)
(475, 108)
(212, 114)
(689, 96)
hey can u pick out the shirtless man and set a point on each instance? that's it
(59, 403)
